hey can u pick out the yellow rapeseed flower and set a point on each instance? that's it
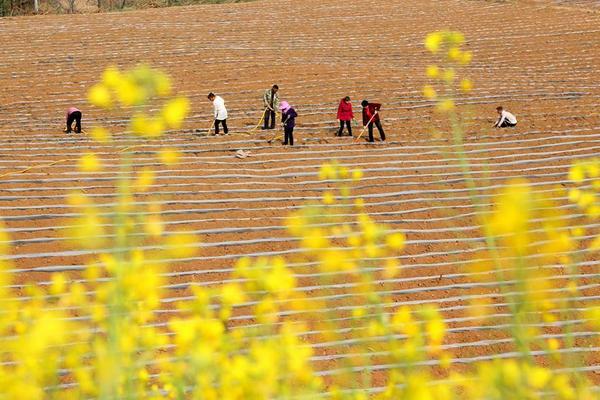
(327, 172)
(433, 41)
(144, 180)
(328, 198)
(454, 54)
(182, 245)
(59, 284)
(429, 92)
(111, 77)
(89, 162)
(432, 71)
(148, 127)
(357, 174)
(175, 111)
(577, 173)
(100, 134)
(466, 85)
(162, 84)
(396, 241)
(466, 58)
(100, 96)
(445, 105)
(448, 75)
(455, 37)
(169, 156)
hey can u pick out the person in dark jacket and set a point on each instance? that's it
(73, 115)
(288, 119)
(345, 115)
(370, 113)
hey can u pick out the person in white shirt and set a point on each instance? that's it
(220, 113)
(505, 119)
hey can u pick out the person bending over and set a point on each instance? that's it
(370, 114)
(288, 119)
(505, 119)
(73, 115)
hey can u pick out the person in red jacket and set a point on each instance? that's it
(370, 115)
(345, 115)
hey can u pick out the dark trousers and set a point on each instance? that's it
(222, 122)
(288, 135)
(269, 119)
(342, 127)
(75, 116)
(379, 128)
(507, 124)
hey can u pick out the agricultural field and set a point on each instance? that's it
(538, 59)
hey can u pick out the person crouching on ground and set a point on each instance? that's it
(271, 103)
(505, 119)
(370, 115)
(288, 119)
(73, 115)
(345, 115)
(220, 113)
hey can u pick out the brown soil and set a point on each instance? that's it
(540, 62)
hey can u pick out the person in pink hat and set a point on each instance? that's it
(288, 120)
(73, 115)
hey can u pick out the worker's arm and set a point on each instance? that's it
(500, 121)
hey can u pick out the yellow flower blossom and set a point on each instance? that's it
(433, 41)
(175, 111)
(145, 126)
(89, 162)
(100, 134)
(432, 71)
(182, 245)
(429, 92)
(328, 198)
(100, 96)
(448, 75)
(445, 105)
(396, 241)
(466, 85)
(111, 77)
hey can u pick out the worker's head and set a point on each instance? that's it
(347, 99)
(211, 96)
(499, 109)
(364, 103)
(284, 106)
(275, 88)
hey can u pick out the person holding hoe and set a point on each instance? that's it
(73, 115)
(220, 113)
(370, 114)
(288, 120)
(345, 115)
(271, 103)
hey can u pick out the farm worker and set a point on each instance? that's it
(288, 119)
(345, 115)
(220, 113)
(370, 114)
(505, 119)
(73, 115)
(271, 102)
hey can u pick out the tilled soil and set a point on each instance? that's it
(538, 59)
